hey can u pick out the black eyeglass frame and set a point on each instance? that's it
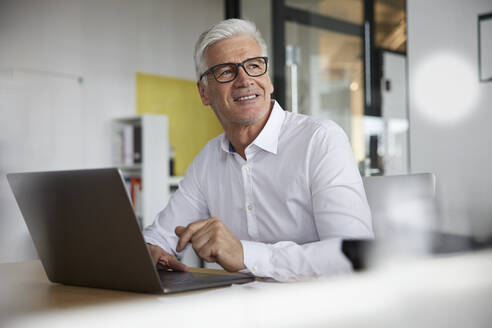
(211, 69)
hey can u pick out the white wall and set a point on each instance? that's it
(450, 111)
(51, 121)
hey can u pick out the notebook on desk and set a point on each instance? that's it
(86, 234)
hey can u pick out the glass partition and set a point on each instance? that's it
(323, 78)
(322, 72)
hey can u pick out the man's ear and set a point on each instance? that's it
(203, 95)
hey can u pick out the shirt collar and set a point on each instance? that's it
(225, 144)
(268, 137)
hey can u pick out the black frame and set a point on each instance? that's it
(278, 51)
(481, 18)
(232, 9)
(371, 85)
(211, 69)
(281, 13)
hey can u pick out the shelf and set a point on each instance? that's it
(131, 168)
(132, 120)
(151, 142)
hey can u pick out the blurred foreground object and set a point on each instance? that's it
(406, 222)
(433, 292)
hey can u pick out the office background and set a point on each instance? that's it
(67, 68)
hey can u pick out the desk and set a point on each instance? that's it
(451, 291)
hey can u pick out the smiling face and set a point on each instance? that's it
(245, 100)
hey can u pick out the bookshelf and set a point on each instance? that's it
(141, 150)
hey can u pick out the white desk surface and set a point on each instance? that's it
(453, 291)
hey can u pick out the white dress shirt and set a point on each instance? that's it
(294, 199)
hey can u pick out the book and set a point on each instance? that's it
(127, 145)
(137, 144)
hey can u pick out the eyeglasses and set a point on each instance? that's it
(227, 72)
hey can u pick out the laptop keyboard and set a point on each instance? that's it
(185, 278)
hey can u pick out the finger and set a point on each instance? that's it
(155, 252)
(207, 251)
(179, 230)
(188, 233)
(210, 228)
(171, 262)
(202, 236)
(160, 266)
(177, 265)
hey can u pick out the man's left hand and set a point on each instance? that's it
(213, 242)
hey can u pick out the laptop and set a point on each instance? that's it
(86, 234)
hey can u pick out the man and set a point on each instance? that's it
(277, 192)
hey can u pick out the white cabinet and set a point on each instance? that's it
(141, 151)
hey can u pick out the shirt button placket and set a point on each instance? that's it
(248, 195)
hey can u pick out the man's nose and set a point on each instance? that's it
(242, 77)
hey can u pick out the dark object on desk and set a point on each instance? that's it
(360, 251)
(375, 159)
(357, 251)
(86, 233)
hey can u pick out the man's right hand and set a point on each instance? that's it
(164, 260)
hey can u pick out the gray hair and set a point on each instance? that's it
(224, 30)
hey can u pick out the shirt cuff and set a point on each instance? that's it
(257, 258)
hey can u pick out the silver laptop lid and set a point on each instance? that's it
(84, 229)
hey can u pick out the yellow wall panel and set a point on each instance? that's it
(191, 124)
